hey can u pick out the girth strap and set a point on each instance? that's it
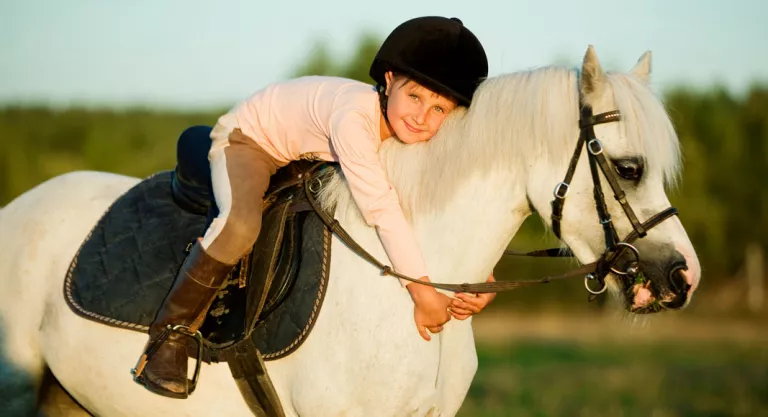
(250, 374)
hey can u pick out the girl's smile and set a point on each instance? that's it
(414, 113)
(411, 128)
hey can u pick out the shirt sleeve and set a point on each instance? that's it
(355, 144)
(220, 132)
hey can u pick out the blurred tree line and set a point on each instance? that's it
(722, 198)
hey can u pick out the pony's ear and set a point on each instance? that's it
(592, 75)
(642, 70)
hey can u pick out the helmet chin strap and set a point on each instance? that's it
(383, 100)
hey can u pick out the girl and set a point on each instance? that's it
(425, 68)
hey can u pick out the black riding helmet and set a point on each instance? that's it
(437, 52)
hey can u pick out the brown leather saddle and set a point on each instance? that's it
(269, 283)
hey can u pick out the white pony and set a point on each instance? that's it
(467, 191)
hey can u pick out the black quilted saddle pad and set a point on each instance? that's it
(127, 265)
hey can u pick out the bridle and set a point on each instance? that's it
(614, 247)
(592, 272)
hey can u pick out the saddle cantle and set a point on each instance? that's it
(125, 267)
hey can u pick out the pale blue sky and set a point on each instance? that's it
(202, 54)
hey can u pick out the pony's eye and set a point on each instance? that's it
(629, 168)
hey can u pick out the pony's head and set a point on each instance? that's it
(640, 151)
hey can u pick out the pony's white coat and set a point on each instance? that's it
(467, 192)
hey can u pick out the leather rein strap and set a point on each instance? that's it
(484, 287)
(595, 270)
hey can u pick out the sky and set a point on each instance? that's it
(204, 54)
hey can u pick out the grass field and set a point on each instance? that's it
(595, 365)
(651, 372)
(569, 379)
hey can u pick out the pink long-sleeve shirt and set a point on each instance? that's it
(333, 119)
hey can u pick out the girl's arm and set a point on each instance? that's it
(357, 148)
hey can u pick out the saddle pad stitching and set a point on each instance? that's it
(77, 308)
(318, 300)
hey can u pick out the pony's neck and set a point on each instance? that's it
(465, 190)
(463, 242)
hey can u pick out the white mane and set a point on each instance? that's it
(514, 117)
(647, 126)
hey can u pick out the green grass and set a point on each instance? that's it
(572, 379)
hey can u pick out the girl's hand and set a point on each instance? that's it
(431, 309)
(467, 304)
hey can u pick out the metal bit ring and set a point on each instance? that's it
(633, 265)
(591, 277)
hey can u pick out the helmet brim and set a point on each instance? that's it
(422, 79)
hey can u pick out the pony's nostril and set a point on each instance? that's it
(677, 279)
(680, 287)
(677, 302)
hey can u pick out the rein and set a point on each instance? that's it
(592, 272)
(483, 287)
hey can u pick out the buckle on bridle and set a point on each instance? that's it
(598, 147)
(316, 185)
(561, 190)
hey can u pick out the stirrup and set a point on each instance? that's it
(154, 346)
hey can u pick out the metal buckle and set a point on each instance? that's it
(561, 190)
(591, 277)
(319, 183)
(596, 151)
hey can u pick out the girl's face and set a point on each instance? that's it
(414, 111)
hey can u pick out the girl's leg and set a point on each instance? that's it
(240, 172)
